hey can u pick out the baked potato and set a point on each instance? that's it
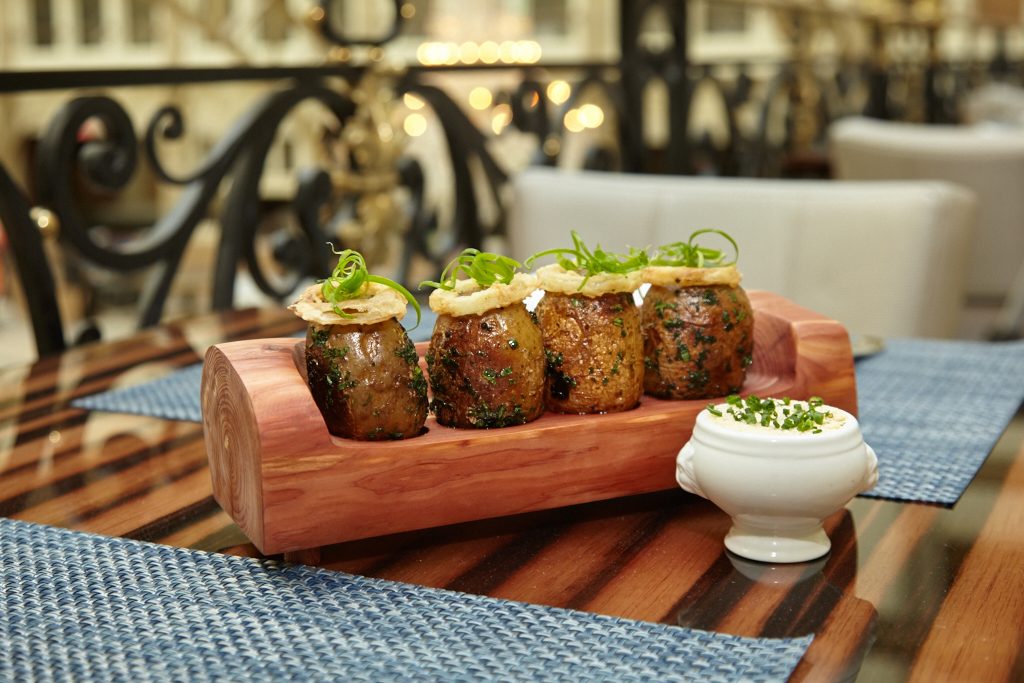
(697, 340)
(594, 352)
(366, 380)
(486, 370)
(361, 367)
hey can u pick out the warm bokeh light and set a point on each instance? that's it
(489, 52)
(411, 101)
(572, 121)
(529, 52)
(451, 54)
(423, 53)
(469, 52)
(415, 125)
(559, 91)
(408, 10)
(502, 117)
(591, 116)
(480, 98)
(552, 146)
(508, 51)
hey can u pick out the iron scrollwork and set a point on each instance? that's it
(106, 158)
(107, 161)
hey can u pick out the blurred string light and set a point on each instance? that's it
(576, 120)
(434, 53)
(489, 52)
(469, 52)
(415, 125)
(411, 101)
(480, 98)
(559, 91)
(500, 118)
(591, 116)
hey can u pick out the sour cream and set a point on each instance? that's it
(833, 418)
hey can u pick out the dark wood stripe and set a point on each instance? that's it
(168, 477)
(71, 417)
(497, 567)
(59, 487)
(95, 384)
(713, 596)
(226, 537)
(640, 538)
(156, 353)
(1018, 667)
(173, 523)
(916, 608)
(86, 388)
(806, 607)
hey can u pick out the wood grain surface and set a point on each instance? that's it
(909, 591)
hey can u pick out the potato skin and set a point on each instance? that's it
(366, 380)
(698, 341)
(486, 370)
(594, 352)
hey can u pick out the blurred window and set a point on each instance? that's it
(725, 18)
(90, 22)
(275, 22)
(140, 22)
(42, 21)
(551, 17)
(415, 15)
(217, 13)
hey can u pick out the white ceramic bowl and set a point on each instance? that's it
(777, 485)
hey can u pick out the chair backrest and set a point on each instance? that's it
(989, 160)
(883, 258)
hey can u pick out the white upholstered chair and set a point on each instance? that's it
(987, 159)
(883, 258)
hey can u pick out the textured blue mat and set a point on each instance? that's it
(176, 395)
(78, 607)
(931, 409)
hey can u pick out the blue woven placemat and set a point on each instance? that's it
(931, 409)
(79, 607)
(175, 396)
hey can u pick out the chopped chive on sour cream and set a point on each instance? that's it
(772, 413)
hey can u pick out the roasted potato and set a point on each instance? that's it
(594, 352)
(486, 370)
(698, 341)
(366, 380)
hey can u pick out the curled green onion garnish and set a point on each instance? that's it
(484, 267)
(589, 262)
(692, 255)
(350, 279)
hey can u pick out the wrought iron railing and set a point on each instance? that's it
(798, 97)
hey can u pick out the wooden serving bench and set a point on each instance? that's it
(292, 487)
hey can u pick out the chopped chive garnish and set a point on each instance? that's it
(765, 412)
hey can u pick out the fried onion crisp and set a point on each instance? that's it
(555, 278)
(469, 298)
(379, 303)
(683, 276)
